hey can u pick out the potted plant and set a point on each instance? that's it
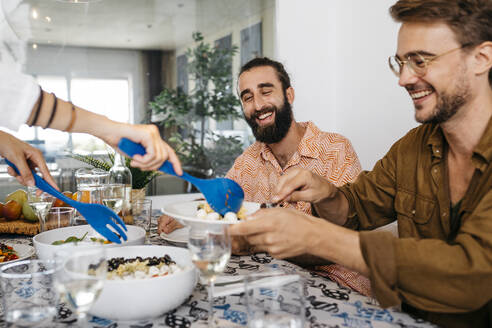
(202, 151)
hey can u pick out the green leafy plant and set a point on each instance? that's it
(211, 97)
(140, 178)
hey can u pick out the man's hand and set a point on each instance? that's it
(281, 232)
(240, 246)
(25, 157)
(286, 233)
(167, 224)
(303, 185)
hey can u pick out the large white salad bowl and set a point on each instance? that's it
(140, 299)
(46, 251)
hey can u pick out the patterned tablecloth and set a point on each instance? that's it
(327, 304)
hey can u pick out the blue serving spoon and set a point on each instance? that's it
(222, 194)
(97, 215)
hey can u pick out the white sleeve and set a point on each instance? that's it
(18, 94)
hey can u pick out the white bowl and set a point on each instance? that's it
(140, 299)
(45, 250)
(186, 212)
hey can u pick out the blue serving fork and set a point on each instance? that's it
(222, 194)
(97, 215)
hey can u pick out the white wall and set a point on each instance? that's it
(336, 53)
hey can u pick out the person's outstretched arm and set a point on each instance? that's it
(51, 112)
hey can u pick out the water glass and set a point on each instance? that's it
(41, 203)
(89, 184)
(113, 196)
(210, 248)
(142, 215)
(80, 277)
(29, 296)
(59, 217)
(275, 299)
(89, 187)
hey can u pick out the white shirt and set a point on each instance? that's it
(18, 92)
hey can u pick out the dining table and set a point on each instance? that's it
(327, 304)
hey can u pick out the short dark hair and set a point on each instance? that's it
(265, 61)
(470, 20)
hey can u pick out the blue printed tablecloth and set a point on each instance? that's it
(327, 304)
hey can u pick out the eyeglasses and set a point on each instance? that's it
(417, 62)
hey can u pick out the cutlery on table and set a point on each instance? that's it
(97, 215)
(238, 285)
(222, 194)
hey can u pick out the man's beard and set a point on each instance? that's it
(276, 131)
(449, 104)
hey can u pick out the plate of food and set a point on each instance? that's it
(14, 252)
(199, 211)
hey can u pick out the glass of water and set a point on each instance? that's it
(142, 215)
(80, 277)
(113, 196)
(89, 188)
(41, 203)
(275, 299)
(210, 248)
(29, 296)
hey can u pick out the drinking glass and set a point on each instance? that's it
(59, 217)
(113, 196)
(210, 248)
(89, 187)
(142, 215)
(29, 297)
(275, 299)
(41, 203)
(80, 277)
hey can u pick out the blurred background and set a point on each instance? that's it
(174, 63)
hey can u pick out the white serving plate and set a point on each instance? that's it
(23, 251)
(179, 236)
(45, 251)
(141, 299)
(186, 212)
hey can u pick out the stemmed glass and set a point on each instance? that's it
(210, 248)
(113, 196)
(41, 203)
(80, 277)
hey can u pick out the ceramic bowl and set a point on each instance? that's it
(141, 299)
(45, 250)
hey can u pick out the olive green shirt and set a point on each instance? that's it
(428, 267)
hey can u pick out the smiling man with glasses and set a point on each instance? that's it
(436, 181)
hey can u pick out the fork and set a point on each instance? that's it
(97, 215)
(222, 194)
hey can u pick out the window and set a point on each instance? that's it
(108, 97)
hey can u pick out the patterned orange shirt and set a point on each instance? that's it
(329, 155)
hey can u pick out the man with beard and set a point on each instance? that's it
(283, 144)
(435, 182)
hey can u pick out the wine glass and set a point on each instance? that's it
(210, 248)
(113, 196)
(79, 278)
(41, 203)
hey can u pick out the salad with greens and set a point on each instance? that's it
(75, 239)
